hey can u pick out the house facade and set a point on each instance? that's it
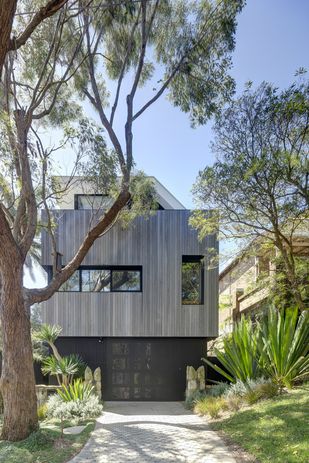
(144, 302)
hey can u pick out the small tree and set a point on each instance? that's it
(259, 184)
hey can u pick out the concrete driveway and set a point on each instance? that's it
(144, 432)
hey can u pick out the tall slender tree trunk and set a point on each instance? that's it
(7, 11)
(17, 379)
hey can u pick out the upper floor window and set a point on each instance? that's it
(105, 279)
(192, 270)
(95, 201)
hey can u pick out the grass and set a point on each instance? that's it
(46, 445)
(274, 430)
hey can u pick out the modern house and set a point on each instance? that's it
(143, 304)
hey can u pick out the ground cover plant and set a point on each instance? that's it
(46, 445)
(274, 430)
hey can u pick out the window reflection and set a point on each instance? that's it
(192, 280)
(93, 202)
(126, 280)
(72, 284)
(96, 280)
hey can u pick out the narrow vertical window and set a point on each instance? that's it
(192, 270)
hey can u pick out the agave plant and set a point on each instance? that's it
(284, 355)
(76, 391)
(239, 353)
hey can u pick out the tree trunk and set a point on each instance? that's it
(17, 379)
(7, 11)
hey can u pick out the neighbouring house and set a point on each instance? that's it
(244, 284)
(144, 302)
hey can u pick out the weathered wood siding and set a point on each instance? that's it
(157, 244)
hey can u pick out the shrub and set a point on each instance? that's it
(268, 390)
(80, 409)
(240, 388)
(193, 398)
(285, 350)
(76, 391)
(63, 368)
(218, 389)
(253, 390)
(15, 454)
(252, 396)
(38, 440)
(42, 412)
(210, 406)
(239, 354)
(233, 402)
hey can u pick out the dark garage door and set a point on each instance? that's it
(139, 368)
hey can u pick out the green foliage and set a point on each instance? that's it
(193, 398)
(143, 200)
(64, 368)
(74, 409)
(239, 354)
(281, 294)
(38, 440)
(218, 389)
(257, 184)
(12, 454)
(276, 347)
(45, 446)
(211, 406)
(42, 412)
(275, 430)
(267, 390)
(48, 333)
(234, 402)
(240, 388)
(76, 391)
(285, 337)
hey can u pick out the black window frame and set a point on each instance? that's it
(133, 268)
(194, 259)
(78, 195)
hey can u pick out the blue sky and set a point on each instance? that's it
(271, 43)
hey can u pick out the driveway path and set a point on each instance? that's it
(152, 432)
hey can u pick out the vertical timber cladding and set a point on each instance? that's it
(139, 368)
(157, 245)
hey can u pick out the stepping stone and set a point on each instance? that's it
(74, 430)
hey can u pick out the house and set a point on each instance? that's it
(245, 283)
(143, 304)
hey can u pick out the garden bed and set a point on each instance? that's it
(46, 445)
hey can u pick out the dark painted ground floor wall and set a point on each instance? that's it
(138, 368)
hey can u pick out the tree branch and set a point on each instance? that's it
(39, 295)
(52, 7)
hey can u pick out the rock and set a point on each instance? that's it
(88, 375)
(74, 430)
(97, 374)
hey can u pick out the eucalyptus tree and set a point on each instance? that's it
(259, 183)
(74, 55)
(37, 14)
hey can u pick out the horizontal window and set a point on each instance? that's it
(82, 201)
(105, 279)
(192, 271)
(72, 284)
(126, 280)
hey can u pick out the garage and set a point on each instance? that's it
(139, 368)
